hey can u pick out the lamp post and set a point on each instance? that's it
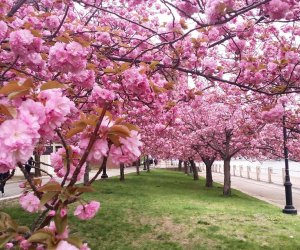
(289, 208)
(104, 174)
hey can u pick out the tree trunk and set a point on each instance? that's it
(209, 180)
(194, 170)
(180, 165)
(227, 181)
(122, 175)
(185, 164)
(37, 159)
(137, 165)
(145, 162)
(148, 164)
(86, 177)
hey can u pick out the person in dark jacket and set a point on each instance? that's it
(29, 164)
(3, 177)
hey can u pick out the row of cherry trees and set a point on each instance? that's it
(101, 77)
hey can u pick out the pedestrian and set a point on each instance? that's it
(3, 177)
(29, 164)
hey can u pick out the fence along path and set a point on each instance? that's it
(252, 171)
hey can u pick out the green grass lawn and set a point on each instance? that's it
(168, 210)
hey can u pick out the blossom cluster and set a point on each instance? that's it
(274, 114)
(33, 120)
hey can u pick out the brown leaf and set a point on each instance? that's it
(52, 85)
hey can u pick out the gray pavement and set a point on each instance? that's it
(272, 193)
(12, 189)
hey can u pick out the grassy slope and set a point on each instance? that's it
(168, 210)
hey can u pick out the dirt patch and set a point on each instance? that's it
(165, 229)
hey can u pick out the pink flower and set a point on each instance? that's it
(103, 37)
(64, 245)
(32, 112)
(9, 245)
(83, 79)
(22, 185)
(51, 213)
(132, 143)
(66, 58)
(62, 236)
(3, 30)
(58, 161)
(216, 9)
(63, 212)
(57, 107)
(34, 61)
(100, 95)
(135, 82)
(188, 7)
(98, 151)
(22, 43)
(25, 244)
(30, 202)
(274, 114)
(128, 152)
(17, 142)
(40, 247)
(85, 247)
(277, 9)
(87, 211)
(52, 22)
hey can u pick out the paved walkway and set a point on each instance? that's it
(12, 189)
(272, 193)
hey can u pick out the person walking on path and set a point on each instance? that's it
(3, 177)
(29, 164)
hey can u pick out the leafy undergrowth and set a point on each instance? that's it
(168, 210)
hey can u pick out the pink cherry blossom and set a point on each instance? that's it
(277, 8)
(18, 140)
(273, 114)
(187, 7)
(3, 30)
(57, 107)
(22, 42)
(132, 143)
(64, 245)
(215, 9)
(9, 245)
(98, 151)
(83, 79)
(135, 82)
(52, 22)
(101, 95)
(30, 202)
(88, 211)
(67, 57)
(25, 244)
(58, 161)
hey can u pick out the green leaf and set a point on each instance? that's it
(60, 222)
(5, 238)
(23, 229)
(41, 236)
(75, 241)
(47, 197)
